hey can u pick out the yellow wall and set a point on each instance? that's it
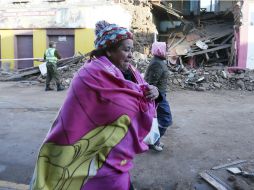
(7, 47)
(39, 44)
(84, 40)
(84, 43)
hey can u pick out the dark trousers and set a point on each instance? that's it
(52, 73)
(164, 115)
(131, 187)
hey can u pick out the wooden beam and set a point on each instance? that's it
(172, 41)
(207, 57)
(208, 50)
(217, 55)
(225, 41)
(177, 43)
(229, 164)
(212, 181)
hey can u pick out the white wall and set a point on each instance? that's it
(62, 15)
(111, 13)
(250, 54)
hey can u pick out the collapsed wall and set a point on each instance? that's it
(142, 24)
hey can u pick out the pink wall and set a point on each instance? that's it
(243, 37)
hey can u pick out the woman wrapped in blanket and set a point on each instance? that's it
(102, 123)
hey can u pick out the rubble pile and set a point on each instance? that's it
(67, 67)
(212, 78)
(142, 24)
(68, 73)
(205, 39)
(140, 61)
(209, 44)
(202, 78)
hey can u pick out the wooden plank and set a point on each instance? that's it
(225, 41)
(19, 76)
(207, 57)
(36, 70)
(208, 50)
(216, 36)
(168, 10)
(172, 41)
(212, 181)
(177, 43)
(217, 55)
(229, 164)
(215, 45)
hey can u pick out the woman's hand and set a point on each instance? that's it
(151, 92)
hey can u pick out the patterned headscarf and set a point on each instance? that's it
(159, 49)
(109, 34)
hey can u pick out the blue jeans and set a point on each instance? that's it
(164, 115)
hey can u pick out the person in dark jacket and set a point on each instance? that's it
(157, 75)
(51, 56)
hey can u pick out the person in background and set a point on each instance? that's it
(102, 123)
(175, 62)
(157, 75)
(51, 56)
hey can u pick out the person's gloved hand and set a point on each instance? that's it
(151, 92)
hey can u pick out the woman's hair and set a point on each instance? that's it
(102, 52)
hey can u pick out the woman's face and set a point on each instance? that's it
(122, 56)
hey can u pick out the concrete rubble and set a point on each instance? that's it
(203, 78)
(200, 78)
(211, 78)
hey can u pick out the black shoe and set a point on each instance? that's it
(48, 88)
(60, 88)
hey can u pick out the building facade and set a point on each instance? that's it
(26, 27)
(246, 37)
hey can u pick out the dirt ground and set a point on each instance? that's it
(210, 128)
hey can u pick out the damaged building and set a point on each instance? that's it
(26, 27)
(203, 33)
(211, 38)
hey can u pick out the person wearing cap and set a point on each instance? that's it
(157, 75)
(51, 56)
(108, 112)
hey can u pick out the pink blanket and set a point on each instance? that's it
(98, 131)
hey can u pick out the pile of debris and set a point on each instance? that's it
(67, 67)
(140, 61)
(202, 78)
(212, 78)
(213, 43)
(235, 175)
